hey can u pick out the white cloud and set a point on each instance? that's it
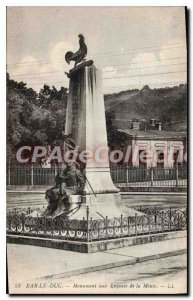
(143, 57)
(49, 71)
(158, 67)
(141, 63)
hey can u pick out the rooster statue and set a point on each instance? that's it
(80, 54)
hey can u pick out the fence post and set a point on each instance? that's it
(90, 230)
(186, 217)
(87, 221)
(128, 226)
(170, 218)
(162, 218)
(121, 225)
(151, 170)
(32, 175)
(178, 221)
(135, 224)
(23, 222)
(127, 174)
(155, 216)
(106, 226)
(177, 174)
(9, 175)
(149, 223)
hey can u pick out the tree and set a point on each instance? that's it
(32, 119)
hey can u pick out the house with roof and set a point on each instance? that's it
(154, 147)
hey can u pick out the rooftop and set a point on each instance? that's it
(154, 134)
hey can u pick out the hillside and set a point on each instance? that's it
(39, 118)
(168, 105)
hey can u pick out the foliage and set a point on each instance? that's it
(32, 118)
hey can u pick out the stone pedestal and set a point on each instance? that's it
(100, 207)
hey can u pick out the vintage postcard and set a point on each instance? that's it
(96, 150)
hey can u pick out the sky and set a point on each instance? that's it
(133, 46)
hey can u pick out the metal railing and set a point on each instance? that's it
(31, 175)
(143, 177)
(88, 229)
(122, 175)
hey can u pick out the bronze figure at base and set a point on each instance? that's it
(68, 182)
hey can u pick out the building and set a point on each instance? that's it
(154, 147)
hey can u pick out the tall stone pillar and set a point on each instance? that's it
(85, 122)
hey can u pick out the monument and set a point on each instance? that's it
(86, 125)
(85, 212)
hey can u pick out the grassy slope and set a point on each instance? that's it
(168, 105)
